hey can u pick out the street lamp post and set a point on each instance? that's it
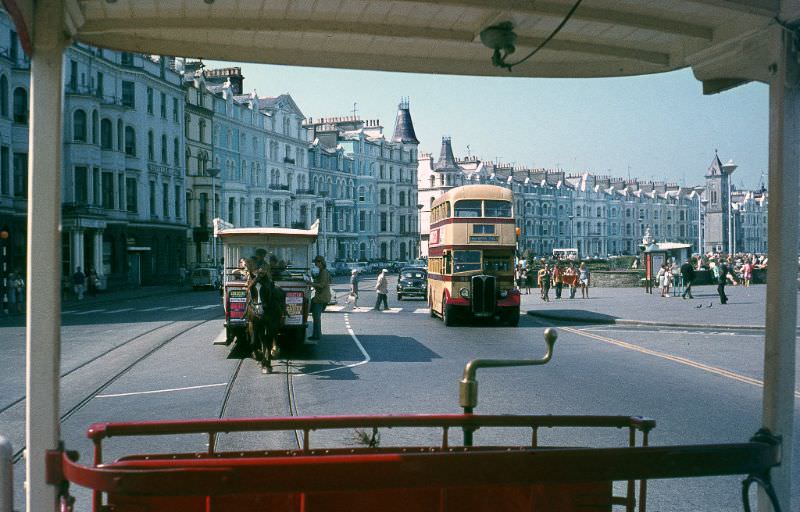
(213, 172)
(571, 238)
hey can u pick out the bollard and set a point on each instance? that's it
(6, 476)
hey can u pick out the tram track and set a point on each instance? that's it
(88, 397)
(229, 388)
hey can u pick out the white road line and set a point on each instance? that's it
(179, 308)
(155, 391)
(336, 308)
(675, 359)
(700, 333)
(422, 310)
(90, 311)
(209, 306)
(69, 312)
(358, 344)
(118, 311)
(152, 309)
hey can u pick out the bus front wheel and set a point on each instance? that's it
(512, 318)
(448, 313)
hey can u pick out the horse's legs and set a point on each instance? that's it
(264, 331)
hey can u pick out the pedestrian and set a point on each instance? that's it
(539, 278)
(181, 276)
(571, 279)
(747, 272)
(720, 275)
(78, 283)
(322, 295)
(11, 293)
(687, 272)
(546, 283)
(91, 282)
(557, 279)
(354, 287)
(382, 287)
(524, 280)
(584, 278)
(661, 279)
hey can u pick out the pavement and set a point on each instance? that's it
(109, 297)
(745, 308)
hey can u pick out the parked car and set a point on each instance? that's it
(205, 277)
(413, 282)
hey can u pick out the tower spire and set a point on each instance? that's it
(403, 126)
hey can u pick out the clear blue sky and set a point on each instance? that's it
(661, 126)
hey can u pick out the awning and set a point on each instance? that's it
(722, 40)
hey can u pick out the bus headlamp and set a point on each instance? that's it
(464, 292)
(503, 294)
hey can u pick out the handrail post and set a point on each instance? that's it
(6, 476)
(468, 385)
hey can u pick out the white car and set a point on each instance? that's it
(205, 277)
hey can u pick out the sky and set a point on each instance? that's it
(655, 127)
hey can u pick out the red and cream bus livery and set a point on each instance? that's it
(471, 255)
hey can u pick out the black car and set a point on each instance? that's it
(413, 282)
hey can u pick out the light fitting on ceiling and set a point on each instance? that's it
(501, 39)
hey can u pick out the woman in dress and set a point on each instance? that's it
(584, 278)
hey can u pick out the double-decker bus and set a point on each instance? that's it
(471, 255)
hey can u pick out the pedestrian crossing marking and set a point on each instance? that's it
(362, 309)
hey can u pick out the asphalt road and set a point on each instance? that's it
(700, 385)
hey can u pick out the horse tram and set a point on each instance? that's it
(726, 43)
(266, 290)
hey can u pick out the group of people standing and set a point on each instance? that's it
(83, 283)
(555, 275)
(722, 273)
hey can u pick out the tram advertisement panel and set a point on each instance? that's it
(237, 303)
(294, 308)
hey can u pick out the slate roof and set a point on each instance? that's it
(446, 162)
(403, 126)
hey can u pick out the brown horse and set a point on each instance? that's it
(266, 304)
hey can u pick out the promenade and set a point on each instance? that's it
(745, 309)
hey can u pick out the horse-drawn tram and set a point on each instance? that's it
(725, 42)
(255, 260)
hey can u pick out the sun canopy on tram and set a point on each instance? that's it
(274, 237)
(722, 40)
(725, 42)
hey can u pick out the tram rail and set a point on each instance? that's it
(87, 398)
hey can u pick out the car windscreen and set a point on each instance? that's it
(413, 275)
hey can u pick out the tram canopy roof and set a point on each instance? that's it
(273, 237)
(722, 40)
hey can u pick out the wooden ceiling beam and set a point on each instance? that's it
(339, 29)
(653, 23)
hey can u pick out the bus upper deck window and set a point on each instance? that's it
(497, 208)
(468, 208)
